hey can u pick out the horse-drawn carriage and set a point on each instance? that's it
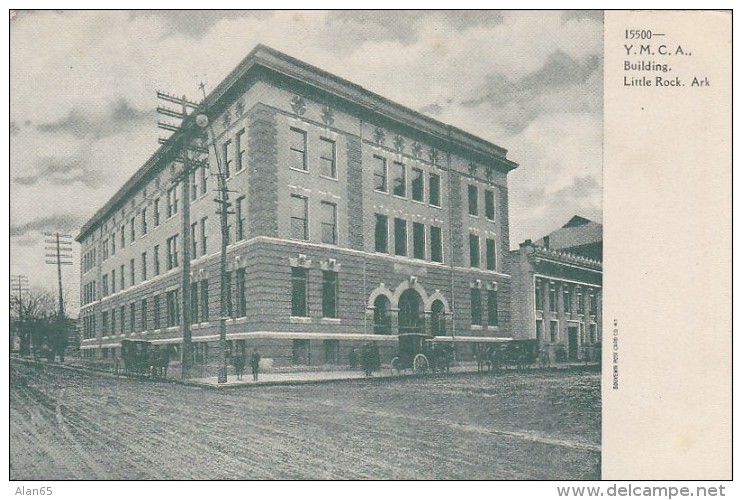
(520, 353)
(143, 358)
(420, 353)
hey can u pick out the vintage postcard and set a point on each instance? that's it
(369, 245)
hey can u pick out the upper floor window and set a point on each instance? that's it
(539, 295)
(418, 184)
(399, 179)
(172, 201)
(552, 297)
(418, 240)
(156, 259)
(299, 225)
(380, 174)
(473, 200)
(299, 292)
(144, 221)
(226, 158)
(157, 212)
(298, 149)
(239, 213)
(172, 252)
(327, 158)
(204, 178)
(329, 223)
(133, 230)
(473, 250)
(434, 190)
(239, 148)
(492, 307)
(436, 244)
(491, 255)
(329, 294)
(400, 237)
(489, 204)
(476, 306)
(381, 233)
(123, 236)
(203, 235)
(566, 298)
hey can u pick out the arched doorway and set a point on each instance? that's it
(437, 318)
(382, 316)
(411, 318)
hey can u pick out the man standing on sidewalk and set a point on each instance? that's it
(255, 364)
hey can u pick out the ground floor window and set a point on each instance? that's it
(173, 308)
(476, 306)
(300, 354)
(329, 294)
(492, 308)
(411, 312)
(299, 292)
(331, 348)
(554, 331)
(539, 329)
(382, 316)
(437, 319)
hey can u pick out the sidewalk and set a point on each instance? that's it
(314, 377)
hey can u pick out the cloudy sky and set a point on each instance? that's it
(83, 85)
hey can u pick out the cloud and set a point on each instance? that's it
(82, 124)
(553, 87)
(58, 222)
(196, 24)
(583, 15)
(62, 171)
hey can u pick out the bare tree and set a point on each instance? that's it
(31, 315)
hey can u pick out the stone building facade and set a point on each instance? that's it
(353, 219)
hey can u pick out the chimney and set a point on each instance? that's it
(546, 242)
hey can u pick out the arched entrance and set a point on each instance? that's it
(437, 318)
(382, 316)
(411, 319)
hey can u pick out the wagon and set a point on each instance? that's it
(420, 353)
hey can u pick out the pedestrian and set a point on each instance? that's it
(255, 364)
(367, 361)
(353, 358)
(239, 365)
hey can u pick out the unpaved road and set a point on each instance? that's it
(67, 424)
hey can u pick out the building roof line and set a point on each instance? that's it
(308, 74)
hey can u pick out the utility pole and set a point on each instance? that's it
(223, 205)
(185, 135)
(59, 254)
(18, 286)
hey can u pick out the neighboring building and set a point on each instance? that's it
(557, 292)
(354, 219)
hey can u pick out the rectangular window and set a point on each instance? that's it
(156, 313)
(380, 174)
(172, 252)
(418, 185)
(239, 148)
(131, 273)
(204, 300)
(157, 212)
(143, 317)
(204, 179)
(382, 233)
(329, 294)
(299, 292)
(132, 317)
(193, 189)
(144, 221)
(593, 303)
(132, 227)
(105, 249)
(489, 204)
(400, 237)
(122, 277)
(226, 159)
(113, 243)
(418, 240)
(436, 244)
(539, 329)
(580, 302)
(473, 250)
(329, 223)
(113, 281)
(552, 297)
(173, 308)
(553, 331)
(122, 318)
(203, 235)
(434, 190)
(473, 200)
(328, 158)
(299, 226)
(332, 349)
(298, 149)
(539, 295)
(566, 298)
(123, 236)
(172, 201)
(239, 213)
(241, 293)
(113, 321)
(156, 255)
(105, 285)
(228, 293)
(491, 255)
(399, 179)
(194, 241)
(144, 266)
(104, 321)
(492, 307)
(476, 306)
(194, 303)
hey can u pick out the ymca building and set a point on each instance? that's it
(352, 219)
